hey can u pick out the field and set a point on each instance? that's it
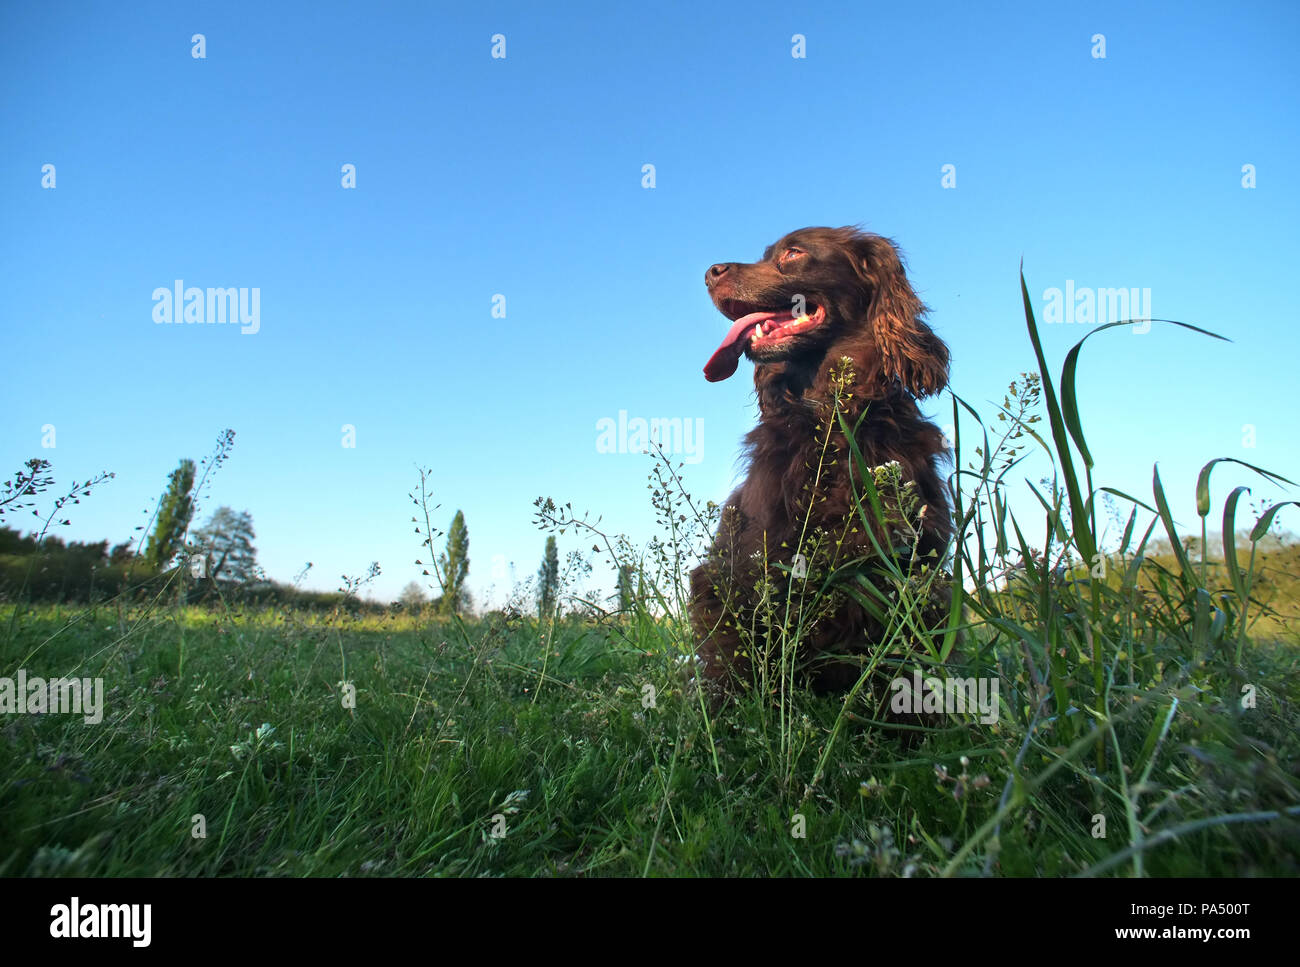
(463, 757)
(1146, 723)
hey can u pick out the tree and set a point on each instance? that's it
(455, 566)
(625, 588)
(12, 542)
(95, 554)
(174, 513)
(548, 579)
(413, 598)
(226, 546)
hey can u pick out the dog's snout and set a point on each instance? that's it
(716, 272)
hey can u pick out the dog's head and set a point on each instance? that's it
(823, 291)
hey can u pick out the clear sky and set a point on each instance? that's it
(522, 177)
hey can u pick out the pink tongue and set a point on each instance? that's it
(724, 362)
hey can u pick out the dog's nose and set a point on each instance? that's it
(715, 272)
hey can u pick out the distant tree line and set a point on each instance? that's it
(218, 559)
(83, 573)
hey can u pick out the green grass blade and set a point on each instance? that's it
(1069, 395)
(1230, 541)
(1162, 507)
(1261, 527)
(1084, 539)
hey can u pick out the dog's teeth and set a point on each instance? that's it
(758, 331)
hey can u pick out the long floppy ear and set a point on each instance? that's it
(909, 349)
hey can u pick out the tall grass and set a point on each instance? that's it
(1111, 651)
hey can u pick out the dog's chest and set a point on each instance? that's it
(779, 476)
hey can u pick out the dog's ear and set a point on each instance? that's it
(909, 350)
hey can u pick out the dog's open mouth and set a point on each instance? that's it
(761, 330)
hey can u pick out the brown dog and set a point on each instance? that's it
(827, 312)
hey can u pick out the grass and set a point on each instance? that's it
(582, 777)
(1147, 723)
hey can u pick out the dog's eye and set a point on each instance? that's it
(790, 254)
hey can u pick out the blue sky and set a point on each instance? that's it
(478, 176)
